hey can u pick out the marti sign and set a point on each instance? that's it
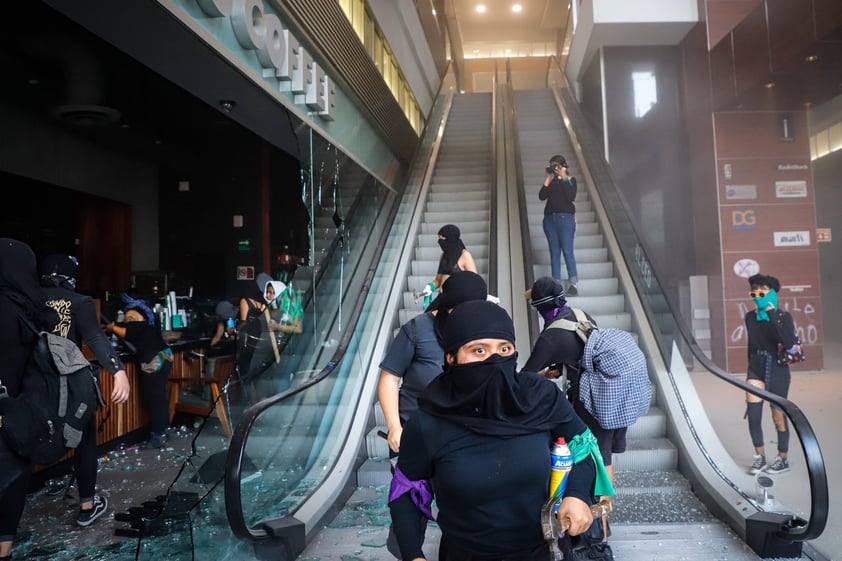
(279, 52)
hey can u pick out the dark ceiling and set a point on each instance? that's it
(67, 77)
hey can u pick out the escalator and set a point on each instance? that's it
(293, 487)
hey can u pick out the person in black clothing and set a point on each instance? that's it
(20, 295)
(482, 434)
(74, 317)
(561, 348)
(766, 326)
(559, 190)
(155, 359)
(454, 257)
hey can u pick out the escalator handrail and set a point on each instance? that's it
(239, 438)
(816, 471)
(492, 208)
(528, 263)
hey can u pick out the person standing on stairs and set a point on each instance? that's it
(414, 358)
(559, 190)
(479, 444)
(766, 326)
(559, 351)
(454, 257)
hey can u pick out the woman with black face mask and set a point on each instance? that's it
(454, 257)
(481, 439)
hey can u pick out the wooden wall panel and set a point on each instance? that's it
(828, 19)
(751, 227)
(724, 15)
(751, 51)
(790, 30)
(758, 135)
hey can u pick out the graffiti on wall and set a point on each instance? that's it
(803, 316)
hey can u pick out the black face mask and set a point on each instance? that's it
(443, 245)
(490, 397)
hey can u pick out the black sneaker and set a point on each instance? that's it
(758, 465)
(780, 465)
(572, 290)
(87, 517)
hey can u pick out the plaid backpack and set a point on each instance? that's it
(614, 381)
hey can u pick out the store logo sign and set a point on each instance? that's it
(790, 189)
(743, 220)
(792, 239)
(279, 52)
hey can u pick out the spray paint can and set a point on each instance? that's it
(561, 462)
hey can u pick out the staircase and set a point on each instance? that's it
(459, 194)
(648, 471)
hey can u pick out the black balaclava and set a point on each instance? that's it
(490, 397)
(461, 286)
(451, 246)
(19, 278)
(59, 269)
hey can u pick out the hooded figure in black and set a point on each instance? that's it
(74, 317)
(454, 257)
(482, 436)
(20, 296)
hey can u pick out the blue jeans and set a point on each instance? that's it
(560, 229)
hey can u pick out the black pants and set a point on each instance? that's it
(85, 463)
(15, 472)
(153, 393)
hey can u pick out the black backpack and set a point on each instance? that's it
(58, 397)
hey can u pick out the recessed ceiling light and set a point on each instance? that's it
(480, 9)
(434, 11)
(769, 85)
(508, 51)
(811, 58)
(517, 8)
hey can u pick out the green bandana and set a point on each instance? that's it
(584, 445)
(762, 303)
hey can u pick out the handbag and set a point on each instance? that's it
(792, 355)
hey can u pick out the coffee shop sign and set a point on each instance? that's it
(280, 54)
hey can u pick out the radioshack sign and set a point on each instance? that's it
(279, 52)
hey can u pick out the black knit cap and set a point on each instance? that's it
(546, 294)
(477, 319)
(767, 280)
(462, 286)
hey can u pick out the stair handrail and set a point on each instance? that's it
(492, 208)
(236, 451)
(523, 210)
(816, 471)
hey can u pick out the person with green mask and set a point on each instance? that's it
(766, 326)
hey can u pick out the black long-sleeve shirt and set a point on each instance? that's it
(75, 319)
(559, 194)
(765, 335)
(489, 490)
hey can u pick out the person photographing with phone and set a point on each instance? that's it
(559, 192)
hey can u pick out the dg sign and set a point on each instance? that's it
(745, 219)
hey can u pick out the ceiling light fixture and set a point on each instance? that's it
(812, 58)
(517, 8)
(434, 11)
(769, 85)
(480, 9)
